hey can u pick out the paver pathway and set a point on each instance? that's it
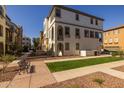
(106, 68)
(40, 78)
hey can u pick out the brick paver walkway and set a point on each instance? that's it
(40, 78)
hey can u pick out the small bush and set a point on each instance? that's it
(117, 53)
(99, 81)
(114, 53)
(6, 60)
(50, 53)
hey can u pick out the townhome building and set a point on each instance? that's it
(10, 33)
(69, 31)
(114, 39)
(2, 29)
(26, 41)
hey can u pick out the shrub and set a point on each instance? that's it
(114, 53)
(99, 81)
(117, 53)
(50, 53)
(6, 60)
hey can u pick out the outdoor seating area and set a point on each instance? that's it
(21, 66)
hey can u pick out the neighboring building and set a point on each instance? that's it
(114, 39)
(71, 31)
(2, 29)
(10, 33)
(13, 35)
(26, 41)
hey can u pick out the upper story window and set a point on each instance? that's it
(110, 40)
(77, 33)
(105, 41)
(96, 22)
(77, 17)
(86, 33)
(67, 47)
(1, 11)
(91, 21)
(67, 31)
(116, 31)
(60, 33)
(1, 30)
(52, 33)
(58, 12)
(92, 34)
(116, 40)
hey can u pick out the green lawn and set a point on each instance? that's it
(66, 65)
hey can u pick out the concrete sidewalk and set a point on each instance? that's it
(106, 68)
(41, 77)
(76, 58)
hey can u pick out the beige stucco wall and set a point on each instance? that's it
(3, 23)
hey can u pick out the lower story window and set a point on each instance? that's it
(67, 46)
(1, 48)
(77, 46)
(1, 30)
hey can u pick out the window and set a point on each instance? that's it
(92, 34)
(86, 33)
(77, 46)
(77, 33)
(91, 21)
(1, 30)
(105, 41)
(96, 22)
(67, 46)
(110, 40)
(77, 16)
(52, 47)
(67, 31)
(60, 33)
(52, 33)
(116, 40)
(116, 31)
(58, 12)
(96, 35)
(1, 11)
(1, 48)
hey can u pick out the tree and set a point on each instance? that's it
(36, 42)
(25, 48)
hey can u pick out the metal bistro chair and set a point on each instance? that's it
(24, 65)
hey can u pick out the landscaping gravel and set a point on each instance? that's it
(9, 74)
(119, 68)
(90, 81)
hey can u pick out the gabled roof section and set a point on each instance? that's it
(74, 10)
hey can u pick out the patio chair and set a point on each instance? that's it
(24, 66)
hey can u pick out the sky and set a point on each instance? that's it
(31, 17)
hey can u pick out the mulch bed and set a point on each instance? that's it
(87, 81)
(9, 74)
